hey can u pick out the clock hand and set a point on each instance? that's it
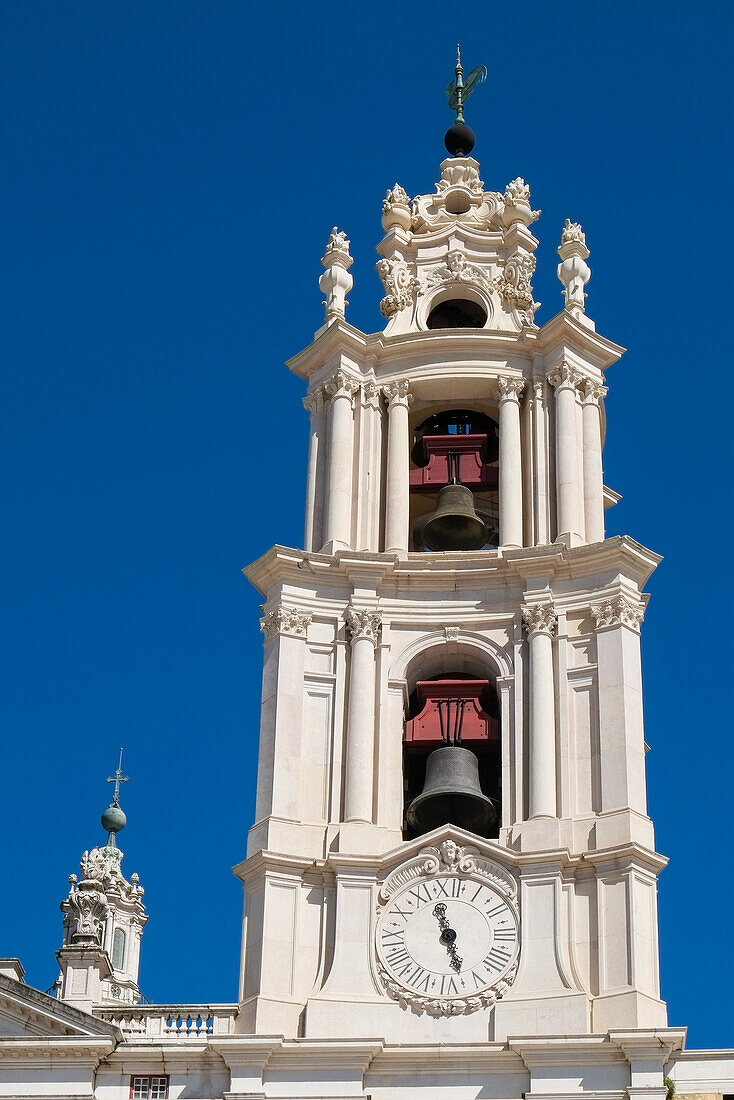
(448, 936)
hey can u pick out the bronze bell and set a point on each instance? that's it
(451, 794)
(454, 525)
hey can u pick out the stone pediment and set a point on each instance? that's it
(448, 850)
(27, 1013)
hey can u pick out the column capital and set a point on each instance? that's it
(363, 623)
(511, 389)
(370, 395)
(564, 376)
(618, 610)
(398, 393)
(342, 384)
(285, 620)
(592, 391)
(539, 618)
(314, 400)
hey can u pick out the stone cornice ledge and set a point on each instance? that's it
(649, 1043)
(624, 854)
(283, 564)
(258, 1051)
(372, 348)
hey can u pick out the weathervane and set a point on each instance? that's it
(459, 139)
(117, 779)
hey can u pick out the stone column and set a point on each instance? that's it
(619, 674)
(397, 510)
(540, 623)
(313, 536)
(363, 627)
(570, 526)
(281, 714)
(338, 524)
(593, 477)
(510, 487)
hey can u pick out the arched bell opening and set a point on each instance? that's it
(451, 755)
(457, 313)
(453, 481)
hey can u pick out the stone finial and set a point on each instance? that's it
(573, 271)
(396, 209)
(517, 204)
(86, 903)
(336, 282)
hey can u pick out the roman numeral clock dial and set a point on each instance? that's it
(448, 944)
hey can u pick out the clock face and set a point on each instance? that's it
(448, 936)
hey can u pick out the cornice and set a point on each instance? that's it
(621, 856)
(22, 1048)
(452, 1058)
(267, 860)
(452, 570)
(469, 347)
(57, 1013)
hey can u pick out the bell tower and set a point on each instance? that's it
(451, 840)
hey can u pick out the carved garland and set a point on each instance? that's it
(456, 1006)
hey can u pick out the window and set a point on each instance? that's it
(148, 1088)
(118, 949)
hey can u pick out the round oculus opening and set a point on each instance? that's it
(458, 202)
(457, 313)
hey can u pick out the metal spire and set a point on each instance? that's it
(458, 92)
(117, 779)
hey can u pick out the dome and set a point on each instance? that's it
(113, 819)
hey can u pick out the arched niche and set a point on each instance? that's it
(453, 655)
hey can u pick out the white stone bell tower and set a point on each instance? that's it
(104, 917)
(509, 631)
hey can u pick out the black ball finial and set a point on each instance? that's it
(459, 139)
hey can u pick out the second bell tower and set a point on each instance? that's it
(451, 839)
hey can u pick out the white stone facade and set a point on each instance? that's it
(552, 988)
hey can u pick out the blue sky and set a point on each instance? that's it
(170, 173)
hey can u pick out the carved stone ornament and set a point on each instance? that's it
(539, 618)
(398, 393)
(514, 286)
(460, 172)
(342, 384)
(457, 269)
(336, 282)
(565, 375)
(285, 620)
(593, 392)
(396, 209)
(437, 872)
(460, 195)
(511, 389)
(401, 286)
(572, 231)
(338, 244)
(451, 633)
(573, 271)
(396, 195)
(86, 904)
(313, 401)
(363, 623)
(517, 203)
(371, 395)
(619, 610)
(93, 865)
